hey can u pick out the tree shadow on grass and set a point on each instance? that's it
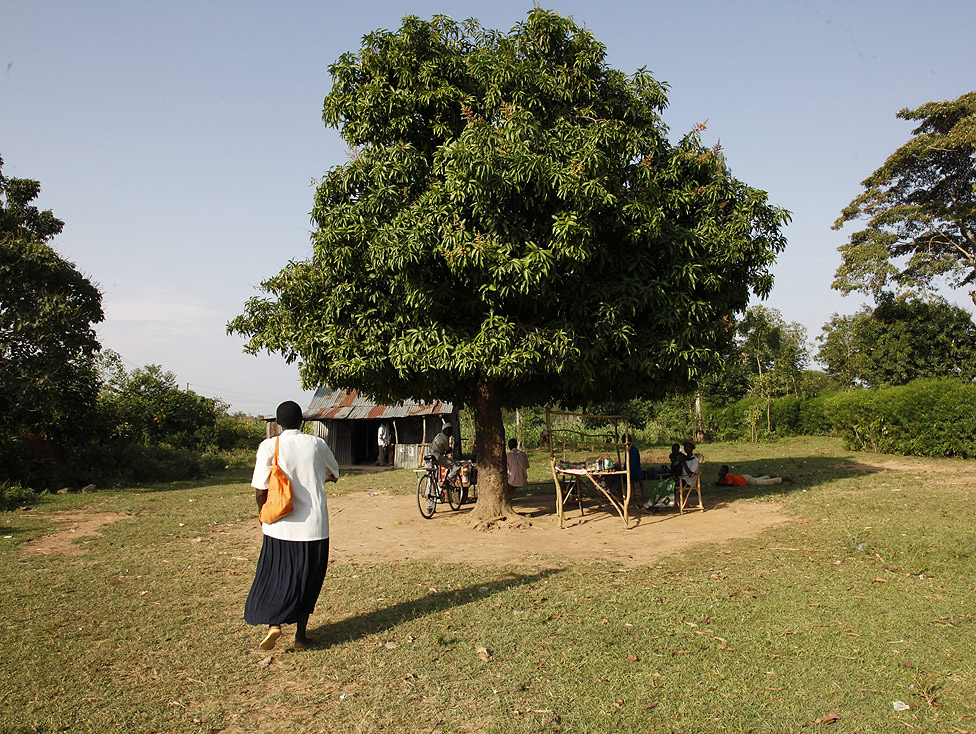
(370, 623)
(808, 472)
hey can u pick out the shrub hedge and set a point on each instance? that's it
(788, 416)
(922, 418)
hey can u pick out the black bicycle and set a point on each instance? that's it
(430, 492)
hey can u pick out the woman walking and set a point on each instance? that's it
(295, 549)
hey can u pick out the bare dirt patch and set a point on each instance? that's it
(72, 527)
(378, 527)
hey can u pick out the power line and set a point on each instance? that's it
(234, 397)
(223, 391)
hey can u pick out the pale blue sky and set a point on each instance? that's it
(177, 140)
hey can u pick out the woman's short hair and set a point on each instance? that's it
(289, 415)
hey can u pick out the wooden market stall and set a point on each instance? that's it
(581, 457)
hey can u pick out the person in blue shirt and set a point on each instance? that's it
(636, 472)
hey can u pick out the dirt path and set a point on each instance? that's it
(72, 527)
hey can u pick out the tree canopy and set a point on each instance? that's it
(513, 227)
(773, 352)
(904, 338)
(146, 407)
(47, 312)
(920, 207)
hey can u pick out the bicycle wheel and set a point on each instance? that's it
(454, 495)
(426, 496)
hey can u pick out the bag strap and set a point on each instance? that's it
(277, 439)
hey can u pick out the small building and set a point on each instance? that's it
(349, 422)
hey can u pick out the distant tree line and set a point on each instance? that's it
(70, 414)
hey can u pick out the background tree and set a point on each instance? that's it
(904, 338)
(48, 381)
(773, 353)
(920, 206)
(147, 407)
(513, 228)
(818, 382)
(841, 348)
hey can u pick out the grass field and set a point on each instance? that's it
(865, 600)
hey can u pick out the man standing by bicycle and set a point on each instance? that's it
(441, 449)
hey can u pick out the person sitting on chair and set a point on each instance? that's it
(725, 479)
(677, 460)
(690, 462)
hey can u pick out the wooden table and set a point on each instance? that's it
(570, 480)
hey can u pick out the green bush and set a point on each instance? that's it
(732, 422)
(13, 495)
(146, 406)
(922, 418)
(240, 458)
(788, 416)
(813, 419)
(239, 432)
(671, 420)
(533, 424)
(784, 414)
(115, 463)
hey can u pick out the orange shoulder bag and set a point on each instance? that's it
(278, 504)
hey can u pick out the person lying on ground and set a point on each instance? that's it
(725, 479)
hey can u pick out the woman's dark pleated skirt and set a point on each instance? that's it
(288, 580)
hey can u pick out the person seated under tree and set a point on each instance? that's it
(689, 461)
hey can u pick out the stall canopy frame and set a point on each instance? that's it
(566, 437)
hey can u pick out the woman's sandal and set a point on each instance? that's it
(271, 638)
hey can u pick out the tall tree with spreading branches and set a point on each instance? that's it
(920, 208)
(48, 381)
(513, 228)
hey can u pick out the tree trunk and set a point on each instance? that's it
(493, 498)
(699, 421)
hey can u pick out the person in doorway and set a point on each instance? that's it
(517, 462)
(382, 445)
(391, 446)
(442, 449)
(725, 479)
(295, 549)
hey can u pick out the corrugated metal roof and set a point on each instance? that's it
(331, 404)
